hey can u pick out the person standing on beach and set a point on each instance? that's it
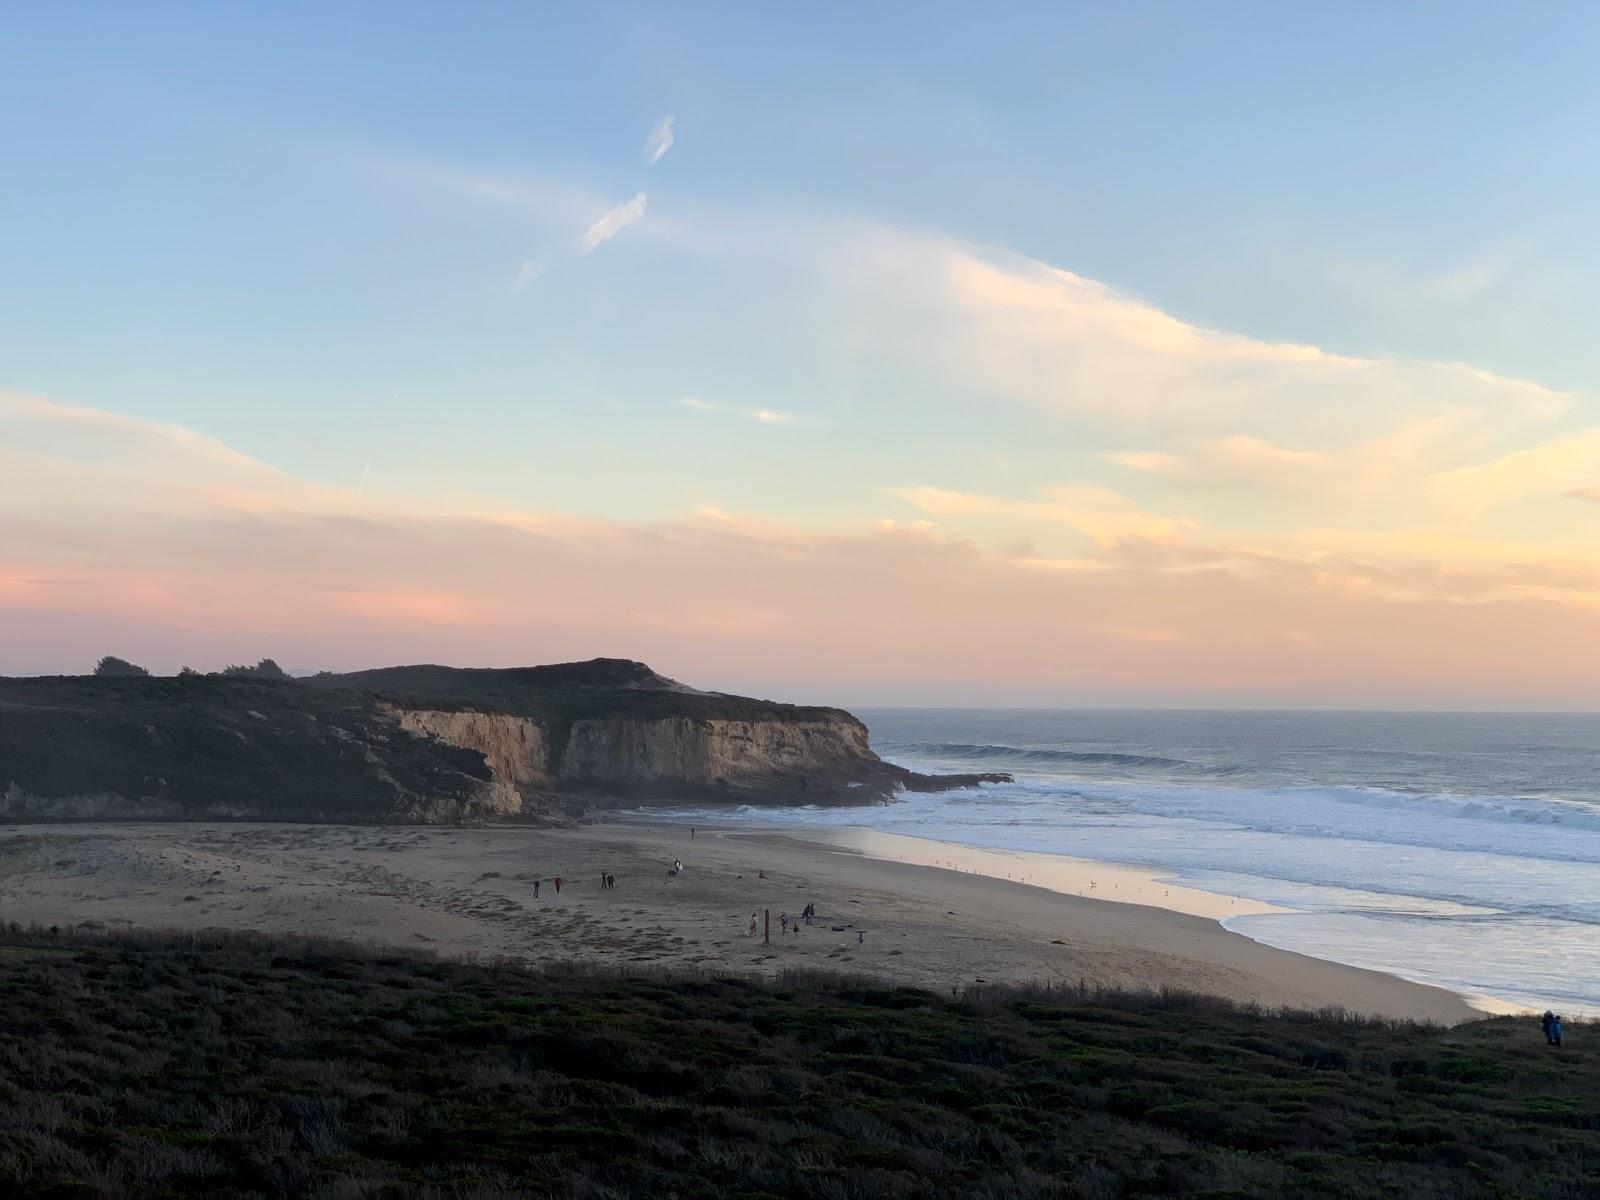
(1545, 1022)
(783, 922)
(535, 889)
(557, 882)
(1555, 1030)
(753, 923)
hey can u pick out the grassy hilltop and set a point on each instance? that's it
(561, 693)
(247, 1066)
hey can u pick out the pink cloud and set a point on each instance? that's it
(876, 613)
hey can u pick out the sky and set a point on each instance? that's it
(1113, 355)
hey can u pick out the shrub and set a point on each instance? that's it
(265, 669)
(244, 1065)
(112, 667)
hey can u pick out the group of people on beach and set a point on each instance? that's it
(786, 923)
(608, 883)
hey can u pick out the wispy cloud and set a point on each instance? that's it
(611, 224)
(530, 270)
(1002, 326)
(659, 141)
(1099, 514)
(1455, 286)
(1232, 461)
(767, 416)
(543, 200)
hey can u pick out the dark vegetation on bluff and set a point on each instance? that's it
(562, 693)
(236, 1065)
(219, 745)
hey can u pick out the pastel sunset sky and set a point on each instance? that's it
(1137, 354)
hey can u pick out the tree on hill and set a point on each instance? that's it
(265, 669)
(116, 667)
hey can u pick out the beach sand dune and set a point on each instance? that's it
(469, 893)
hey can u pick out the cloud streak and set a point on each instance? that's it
(660, 140)
(527, 272)
(611, 224)
(1098, 513)
(766, 416)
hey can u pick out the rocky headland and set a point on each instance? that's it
(423, 744)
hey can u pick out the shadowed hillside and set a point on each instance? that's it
(212, 746)
(244, 1066)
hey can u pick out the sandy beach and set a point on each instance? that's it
(469, 892)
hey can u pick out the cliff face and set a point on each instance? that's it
(816, 761)
(426, 744)
(514, 749)
(767, 759)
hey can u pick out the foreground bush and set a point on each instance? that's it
(247, 1066)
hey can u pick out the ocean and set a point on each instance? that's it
(1457, 849)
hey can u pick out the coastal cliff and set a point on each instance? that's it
(423, 744)
(613, 729)
(617, 751)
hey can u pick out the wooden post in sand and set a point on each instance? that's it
(766, 931)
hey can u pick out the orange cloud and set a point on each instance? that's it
(1146, 607)
(1098, 513)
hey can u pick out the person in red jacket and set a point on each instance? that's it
(557, 881)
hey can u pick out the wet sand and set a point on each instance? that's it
(469, 892)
